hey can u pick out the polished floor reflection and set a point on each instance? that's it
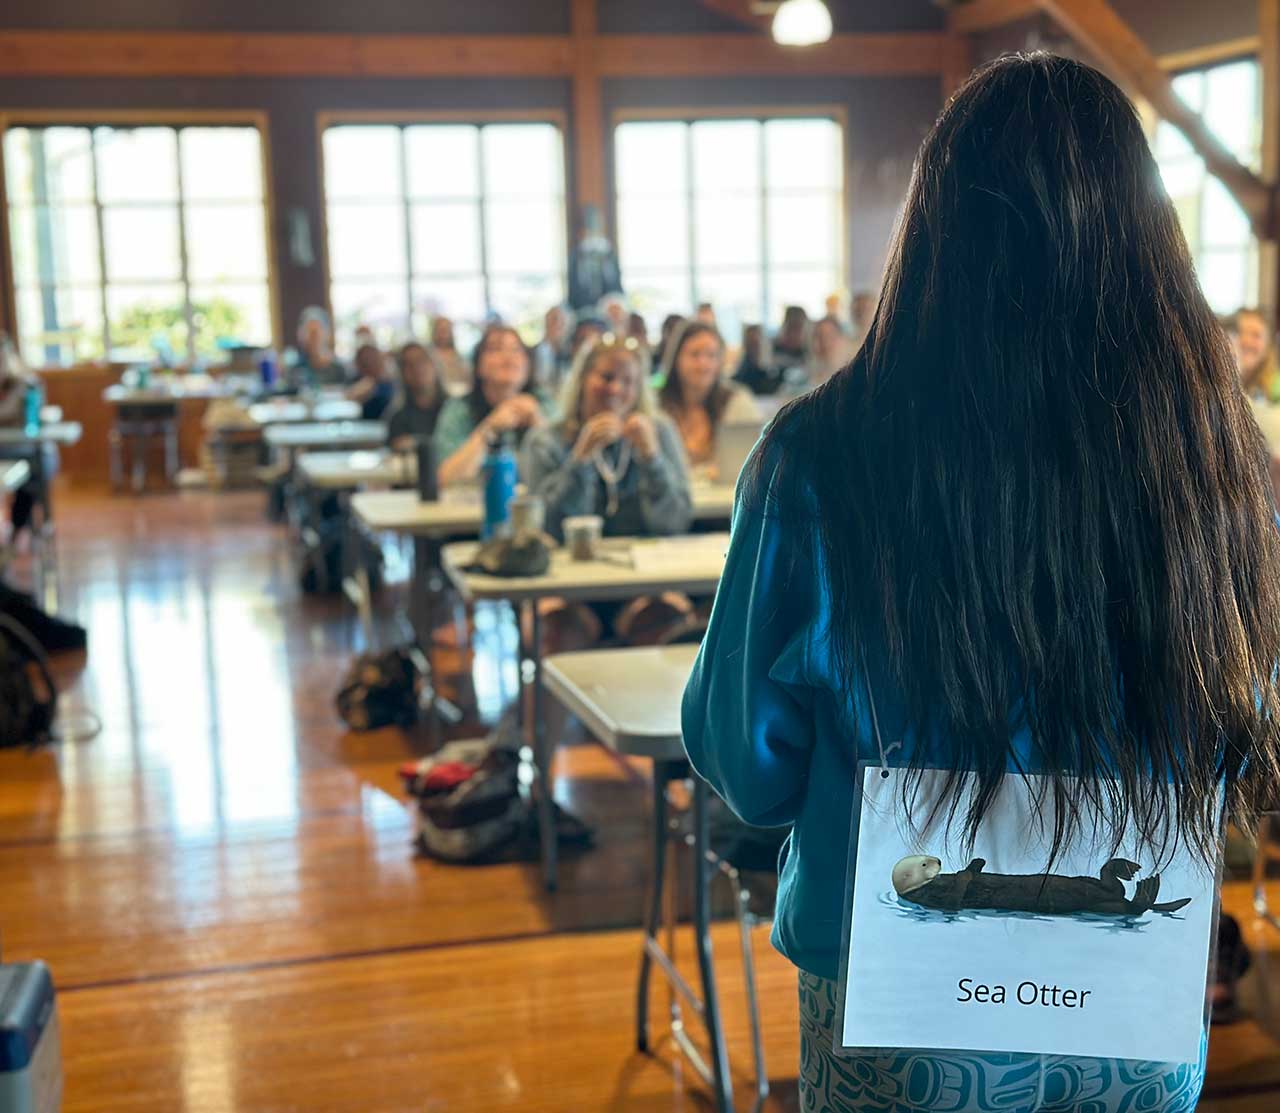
(222, 882)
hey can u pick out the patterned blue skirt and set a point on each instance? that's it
(915, 1081)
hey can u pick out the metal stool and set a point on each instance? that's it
(140, 424)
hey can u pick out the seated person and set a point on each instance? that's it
(314, 364)
(615, 456)
(831, 350)
(15, 378)
(757, 371)
(455, 371)
(697, 397)
(372, 388)
(611, 454)
(1251, 341)
(420, 404)
(503, 400)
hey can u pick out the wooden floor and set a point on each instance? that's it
(223, 885)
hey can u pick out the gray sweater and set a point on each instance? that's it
(653, 495)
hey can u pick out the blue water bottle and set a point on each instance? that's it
(33, 405)
(501, 474)
(267, 369)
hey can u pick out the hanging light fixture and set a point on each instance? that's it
(801, 23)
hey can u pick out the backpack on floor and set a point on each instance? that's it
(380, 690)
(469, 807)
(28, 698)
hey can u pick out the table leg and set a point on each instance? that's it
(719, 1053)
(544, 754)
(653, 914)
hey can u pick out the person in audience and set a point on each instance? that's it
(15, 378)
(1255, 351)
(419, 409)
(698, 398)
(504, 399)
(791, 344)
(615, 314)
(672, 323)
(373, 388)
(862, 309)
(455, 371)
(586, 333)
(837, 308)
(1031, 525)
(757, 371)
(612, 454)
(831, 350)
(552, 357)
(315, 365)
(706, 314)
(638, 330)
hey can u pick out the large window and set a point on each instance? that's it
(127, 241)
(463, 220)
(747, 214)
(1229, 98)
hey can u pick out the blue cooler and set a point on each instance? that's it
(30, 1056)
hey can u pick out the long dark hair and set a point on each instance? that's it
(1039, 495)
(477, 403)
(670, 395)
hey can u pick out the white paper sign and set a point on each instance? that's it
(985, 952)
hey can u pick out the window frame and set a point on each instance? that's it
(406, 118)
(138, 118)
(1201, 62)
(691, 114)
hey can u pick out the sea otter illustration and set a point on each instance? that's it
(920, 880)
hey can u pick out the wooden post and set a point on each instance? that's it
(588, 112)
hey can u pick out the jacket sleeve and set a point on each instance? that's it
(664, 486)
(748, 713)
(565, 486)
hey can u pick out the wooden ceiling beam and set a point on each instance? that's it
(1095, 25)
(728, 55)
(985, 15)
(216, 54)
(269, 54)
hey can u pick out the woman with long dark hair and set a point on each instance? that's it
(1031, 524)
(504, 399)
(697, 397)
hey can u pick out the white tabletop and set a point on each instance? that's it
(292, 411)
(628, 698)
(61, 432)
(458, 514)
(629, 567)
(347, 470)
(326, 434)
(168, 391)
(403, 512)
(13, 474)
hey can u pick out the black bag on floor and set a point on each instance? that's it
(380, 690)
(26, 713)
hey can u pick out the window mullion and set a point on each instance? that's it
(188, 312)
(102, 243)
(483, 204)
(765, 283)
(407, 207)
(691, 222)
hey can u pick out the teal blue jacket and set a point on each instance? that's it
(771, 724)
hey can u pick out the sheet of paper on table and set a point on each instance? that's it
(698, 548)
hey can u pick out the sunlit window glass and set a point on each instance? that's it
(747, 214)
(127, 242)
(1229, 99)
(457, 219)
